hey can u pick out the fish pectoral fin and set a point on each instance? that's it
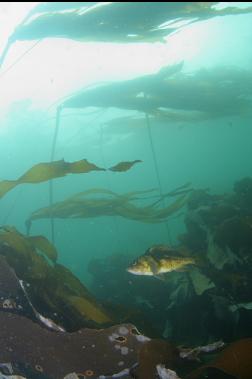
(154, 267)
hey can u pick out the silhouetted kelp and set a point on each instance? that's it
(167, 95)
(114, 22)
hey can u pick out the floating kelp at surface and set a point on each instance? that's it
(53, 288)
(79, 206)
(114, 22)
(133, 94)
(217, 92)
(139, 20)
(42, 172)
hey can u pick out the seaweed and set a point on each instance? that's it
(45, 171)
(155, 352)
(124, 166)
(42, 244)
(88, 309)
(53, 288)
(35, 352)
(166, 95)
(27, 246)
(235, 360)
(115, 22)
(79, 206)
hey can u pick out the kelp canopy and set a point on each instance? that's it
(45, 171)
(114, 21)
(167, 95)
(82, 205)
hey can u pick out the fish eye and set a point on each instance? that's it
(121, 339)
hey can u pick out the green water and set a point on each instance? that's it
(210, 154)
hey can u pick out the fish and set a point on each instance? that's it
(160, 260)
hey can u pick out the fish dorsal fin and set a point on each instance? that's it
(159, 249)
(163, 251)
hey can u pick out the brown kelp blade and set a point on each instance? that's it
(52, 286)
(82, 166)
(27, 246)
(134, 195)
(41, 243)
(12, 238)
(124, 166)
(45, 171)
(234, 360)
(6, 186)
(85, 205)
(89, 309)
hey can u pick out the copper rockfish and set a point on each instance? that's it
(159, 260)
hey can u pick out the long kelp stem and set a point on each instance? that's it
(2, 57)
(55, 137)
(115, 223)
(157, 172)
(5, 51)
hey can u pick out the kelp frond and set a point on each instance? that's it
(86, 204)
(53, 287)
(166, 95)
(116, 22)
(27, 246)
(45, 171)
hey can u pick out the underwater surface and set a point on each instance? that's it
(126, 190)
